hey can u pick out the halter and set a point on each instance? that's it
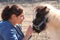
(37, 26)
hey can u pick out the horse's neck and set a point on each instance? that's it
(53, 26)
(53, 33)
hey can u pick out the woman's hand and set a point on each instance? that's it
(28, 33)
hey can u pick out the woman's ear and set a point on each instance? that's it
(13, 16)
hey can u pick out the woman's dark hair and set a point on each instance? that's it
(9, 11)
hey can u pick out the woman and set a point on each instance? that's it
(9, 26)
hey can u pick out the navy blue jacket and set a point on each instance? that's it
(9, 32)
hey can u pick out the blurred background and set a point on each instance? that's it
(28, 6)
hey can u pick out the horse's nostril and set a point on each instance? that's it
(37, 31)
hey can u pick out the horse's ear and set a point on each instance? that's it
(40, 8)
(44, 8)
(47, 9)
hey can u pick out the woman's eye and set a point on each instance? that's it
(22, 16)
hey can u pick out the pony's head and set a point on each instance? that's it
(39, 23)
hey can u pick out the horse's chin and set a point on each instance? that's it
(40, 30)
(36, 31)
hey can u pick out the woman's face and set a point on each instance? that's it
(17, 19)
(20, 18)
